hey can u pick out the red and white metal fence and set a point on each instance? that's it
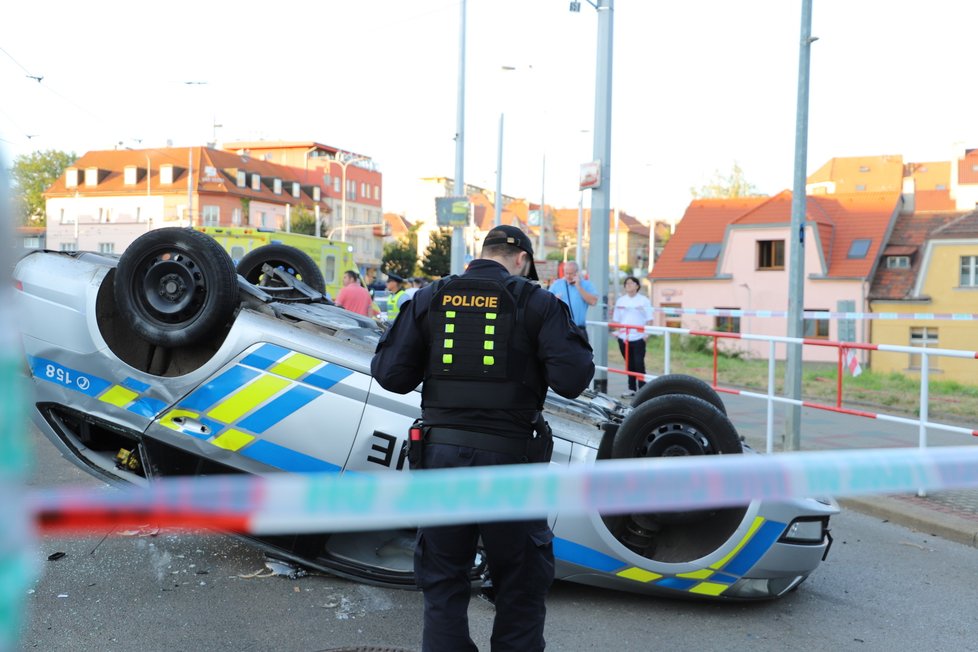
(845, 356)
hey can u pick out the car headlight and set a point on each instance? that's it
(805, 531)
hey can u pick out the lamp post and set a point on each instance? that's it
(343, 165)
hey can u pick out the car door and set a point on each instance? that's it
(273, 407)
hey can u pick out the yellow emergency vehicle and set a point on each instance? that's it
(332, 256)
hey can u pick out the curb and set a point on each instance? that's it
(904, 511)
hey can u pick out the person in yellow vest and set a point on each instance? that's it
(395, 290)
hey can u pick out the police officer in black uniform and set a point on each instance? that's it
(486, 344)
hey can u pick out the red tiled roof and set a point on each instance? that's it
(705, 220)
(398, 224)
(909, 234)
(839, 219)
(965, 226)
(224, 165)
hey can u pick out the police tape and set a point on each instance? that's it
(297, 503)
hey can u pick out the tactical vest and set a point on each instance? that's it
(392, 308)
(480, 352)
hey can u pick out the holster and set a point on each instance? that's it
(541, 447)
(415, 445)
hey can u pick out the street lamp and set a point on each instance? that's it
(343, 165)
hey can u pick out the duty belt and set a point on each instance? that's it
(482, 441)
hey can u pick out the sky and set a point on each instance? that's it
(698, 86)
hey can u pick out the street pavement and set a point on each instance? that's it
(951, 515)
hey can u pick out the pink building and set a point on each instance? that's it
(735, 254)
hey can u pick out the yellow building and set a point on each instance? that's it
(929, 267)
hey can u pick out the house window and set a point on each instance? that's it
(263, 219)
(898, 262)
(725, 324)
(129, 175)
(166, 174)
(377, 193)
(69, 246)
(236, 217)
(106, 247)
(71, 177)
(32, 242)
(91, 176)
(925, 338)
(256, 182)
(211, 215)
(860, 187)
(336, 185)
(940, 186)
(703, 251)
(242, 178)
(969, 271)
(770, 254)
(859, 248)
(817, 329)
(672, 321)
(277, 186)
(295, 189)
(316, 193)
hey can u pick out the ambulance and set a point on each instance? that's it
(333, 256)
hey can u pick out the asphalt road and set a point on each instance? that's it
(884, 587)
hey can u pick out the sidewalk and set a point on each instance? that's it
(951, 515)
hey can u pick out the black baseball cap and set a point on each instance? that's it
(395, 277)
(511, 235)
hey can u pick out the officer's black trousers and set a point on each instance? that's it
(635, 361)
(521, 565)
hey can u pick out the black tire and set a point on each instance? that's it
(294, 261)
(679, 384)
(175, 286)
(675, 425)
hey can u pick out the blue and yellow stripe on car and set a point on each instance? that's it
(128, 395)
(713, 580)
(257, 393)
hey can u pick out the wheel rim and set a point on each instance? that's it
(172, 287)
(675, 439)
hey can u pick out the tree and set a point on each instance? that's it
(732, 185)
(33, 174)
(400, 257)
(438, 255)
(302, 220)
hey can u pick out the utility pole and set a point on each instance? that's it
(498, 217)
(601, 194)
(796, 268)
(458, 241)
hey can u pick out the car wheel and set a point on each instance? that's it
(294, 261)
(678, 384)
(175, 286)
(673, 425)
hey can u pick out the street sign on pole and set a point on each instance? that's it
(590, 175)
(452, 211)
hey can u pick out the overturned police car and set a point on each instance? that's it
(169, 361)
